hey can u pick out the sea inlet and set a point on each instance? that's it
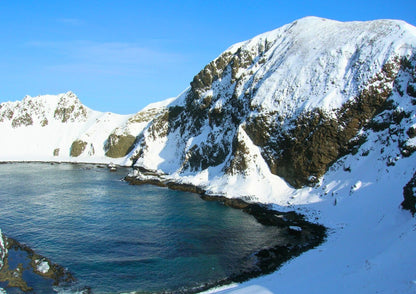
(115, 237)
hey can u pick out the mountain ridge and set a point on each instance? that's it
(60, 128)
(263, 88)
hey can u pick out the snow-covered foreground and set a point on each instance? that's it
(370, 242)
(374, 256)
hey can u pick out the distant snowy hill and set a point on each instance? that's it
(317, 116)
(60, 128)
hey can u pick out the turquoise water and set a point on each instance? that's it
(115, 237)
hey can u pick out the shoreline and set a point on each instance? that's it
(63, 162)
(304, 235)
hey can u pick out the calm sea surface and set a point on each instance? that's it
(115, 237)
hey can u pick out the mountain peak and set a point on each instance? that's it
(309, 63)
(43, 109)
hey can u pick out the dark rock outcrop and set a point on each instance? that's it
(29, 264)
(69, 108)
(119, 145)
(77, 148)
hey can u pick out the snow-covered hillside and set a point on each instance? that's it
(60, 128)
(371, 236)
(282, 107)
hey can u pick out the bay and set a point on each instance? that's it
(115, 237)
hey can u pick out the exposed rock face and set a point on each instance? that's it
(77, 148)
(315, 140)
(23, 120)
(41, 110)
(123, 139)
(300, 96)
(119, 145)
(69, 108)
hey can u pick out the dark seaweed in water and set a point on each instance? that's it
(20, 271)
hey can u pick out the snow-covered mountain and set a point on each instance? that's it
(281, 108)
(317, 116)
(60, 128)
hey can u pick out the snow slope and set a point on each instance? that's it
(320, 63)
(370, 241)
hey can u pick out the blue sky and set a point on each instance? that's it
(119, 56)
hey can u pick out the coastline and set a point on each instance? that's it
(97, 163)
(303, 235)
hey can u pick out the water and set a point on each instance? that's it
(116, 237)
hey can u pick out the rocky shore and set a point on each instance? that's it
(30, 272)
(298, 235)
